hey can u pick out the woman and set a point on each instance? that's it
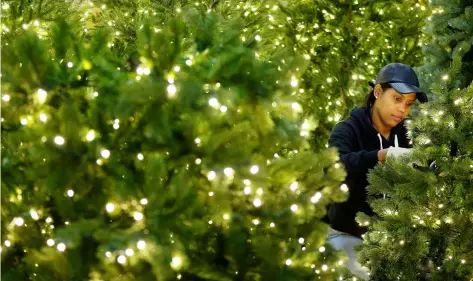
(368, 137)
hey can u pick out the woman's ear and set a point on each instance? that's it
(377, 91)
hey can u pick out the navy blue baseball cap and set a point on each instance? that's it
(402, 78)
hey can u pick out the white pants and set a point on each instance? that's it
(346, 242)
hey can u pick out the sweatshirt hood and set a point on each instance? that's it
(362, 116)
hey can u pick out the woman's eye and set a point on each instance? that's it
(397, 98)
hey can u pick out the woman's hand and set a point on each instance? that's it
(382, 155)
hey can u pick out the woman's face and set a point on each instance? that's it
(392, 106)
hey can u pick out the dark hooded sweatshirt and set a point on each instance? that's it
(358, 143)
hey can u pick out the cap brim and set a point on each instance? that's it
(404, 88)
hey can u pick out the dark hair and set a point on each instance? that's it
(371, 98)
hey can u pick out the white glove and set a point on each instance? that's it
(396, 152)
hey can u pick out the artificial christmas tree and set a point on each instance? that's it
(193, 165)
(424, 231)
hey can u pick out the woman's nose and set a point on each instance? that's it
(402, 108)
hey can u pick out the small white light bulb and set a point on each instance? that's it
(61, 247)
(176, 262)
(229, 172)
(121, 259)
(296, 106)
(34, 215)
(105, 153)
(129, 252)
(316, 197)
(43, 117)
(257, 202)
(141, 245)
(171, 89)
(247, 190)
(90, 136)
(211, 175)
(213, 102)
(110, 207)
(42, 95)
(19, 221)
(59, 140)
(137, 216)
